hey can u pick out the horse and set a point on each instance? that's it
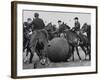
(52, 31)
(38, 44)
(86, 39)
(84, 44)
(73, 40)
(86, 29)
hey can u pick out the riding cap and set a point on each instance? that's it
(76, 18)
(59, 20)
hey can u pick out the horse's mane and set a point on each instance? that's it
(86, 26)
(70, 30)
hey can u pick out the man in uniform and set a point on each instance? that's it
(27, 31)
(76, 27)
(38, 23)
(60, 26)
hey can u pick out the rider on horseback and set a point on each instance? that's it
(38, 22)
(62, 28)
(27, 30)
(76, 27)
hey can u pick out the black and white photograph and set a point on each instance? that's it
(56, 39)
(53, 39)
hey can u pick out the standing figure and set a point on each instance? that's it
(27, 31)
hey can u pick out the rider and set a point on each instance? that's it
(27, 31)
(38, 22)
(62, 27)
(76, 27)
(28, 27)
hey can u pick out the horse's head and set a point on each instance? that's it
(48, 27)
(84, 28)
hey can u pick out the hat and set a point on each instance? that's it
(76, 18)
(59, 20)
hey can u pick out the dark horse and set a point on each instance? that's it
(51, 29)
(54, 32)
(38, 44)
(73, 40)
(86, 39)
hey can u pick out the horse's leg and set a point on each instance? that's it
(31, 55)
(70, 53)
(27, 51)
(90, 56)
(78, 52)
(73, 53)
(84, 51)
(24, 56)
(44, 55)
(89, 52)
(35, 65)
(27, 47)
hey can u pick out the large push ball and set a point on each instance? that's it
(58, 50)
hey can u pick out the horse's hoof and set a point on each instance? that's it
(43, 62)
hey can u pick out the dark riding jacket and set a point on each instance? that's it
(38, 24)
(77, 26)
(27, 30)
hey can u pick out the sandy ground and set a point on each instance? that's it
(70, 63)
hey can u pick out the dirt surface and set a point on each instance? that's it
(70, 63)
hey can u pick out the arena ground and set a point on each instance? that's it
(70, 63)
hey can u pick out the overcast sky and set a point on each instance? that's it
(66, 17)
